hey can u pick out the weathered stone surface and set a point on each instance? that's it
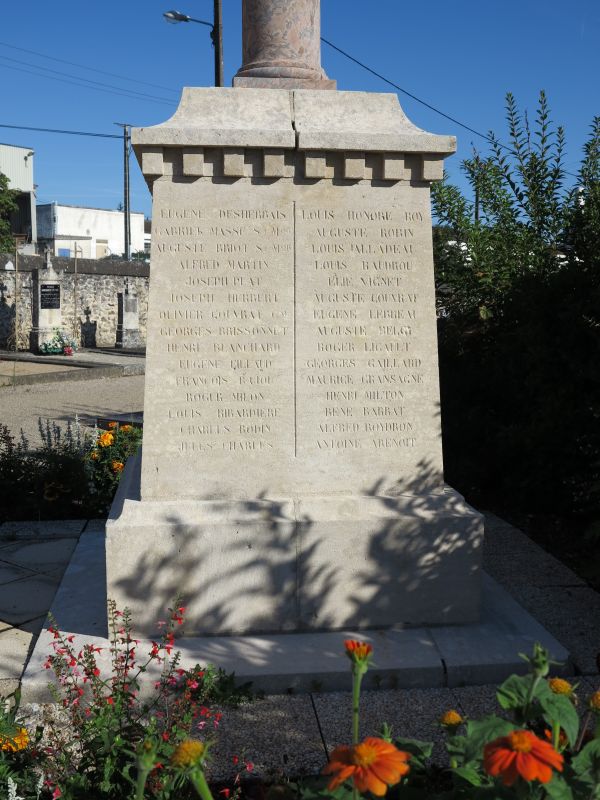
(293, 342)
(292, 469)
(281, 46)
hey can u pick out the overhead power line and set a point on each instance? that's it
(90, 69)
(57, 130)
(423, 102)
(143, 95)
(86, 85)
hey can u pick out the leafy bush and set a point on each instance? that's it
(517, 270)
(72, 474)
(115, 738)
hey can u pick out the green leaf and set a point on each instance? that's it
(414, 746)
(469, 748)
(586, 765)
(558, 789)
(469, 774)
(558, 708)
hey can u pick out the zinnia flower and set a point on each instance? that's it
(373, 765)
(117, 466)
(125, 428)
(105, 439)
(13, 743)
(112, 424)
(94, 455)
(451, 719)
(595, 701)
(521, 754)
(357, 651)
(188, 753)
(560, 686)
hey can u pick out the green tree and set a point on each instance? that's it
(8, 204)
(518, 276)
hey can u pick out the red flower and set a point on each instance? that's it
(521, 754)
(110, 701)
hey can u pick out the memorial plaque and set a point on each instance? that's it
(294, 340)
(49, 295)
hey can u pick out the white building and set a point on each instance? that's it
(17, 164)
(94, 232)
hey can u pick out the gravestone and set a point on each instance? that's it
(128, 319)
(291, 476)
(47, 304)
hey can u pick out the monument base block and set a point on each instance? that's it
(274, 565)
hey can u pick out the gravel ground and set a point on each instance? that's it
(22, 406)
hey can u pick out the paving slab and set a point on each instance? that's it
(571, 614)
(513, 558)
(8, 686)
(46, 529)
(14, 648)
(42, 556)
(11, 572)
(488, 651)
(25, 599)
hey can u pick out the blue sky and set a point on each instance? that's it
(461, 57)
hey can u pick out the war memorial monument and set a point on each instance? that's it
(291, 475)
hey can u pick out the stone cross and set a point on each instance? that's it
(281, 45)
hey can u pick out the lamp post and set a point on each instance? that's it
(216, 34)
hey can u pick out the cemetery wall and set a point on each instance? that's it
(98, 286)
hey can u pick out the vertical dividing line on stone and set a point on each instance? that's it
(295, 396)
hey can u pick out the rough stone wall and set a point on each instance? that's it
(98, 286)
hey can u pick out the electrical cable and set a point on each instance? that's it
(142, 95)
(91, 69)
(57, 130)
(83, 85)
(424, 103)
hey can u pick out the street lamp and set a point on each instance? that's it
(216, 34)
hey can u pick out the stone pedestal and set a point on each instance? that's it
(291, 476)
(47, 305)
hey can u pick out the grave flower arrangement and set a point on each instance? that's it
(60, 344)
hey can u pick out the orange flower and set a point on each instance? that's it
(14, 743)
(357, 651)
(451, 719)
(117, 466)
(112, 424)
(595, 701)
(560, 686)
(125, 428)
(373, 765)
(105, 439)
(522, 754)
(94, 455)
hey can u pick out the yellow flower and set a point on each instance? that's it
(126, 428)
(188, 753)
(451, 719)
(112, 424)
(117, 466)
(560, 686)
(595, 701)
(17, 742)
(105, 439)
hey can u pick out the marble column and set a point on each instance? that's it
(281, 45)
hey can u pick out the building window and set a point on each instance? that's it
(64, 252)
